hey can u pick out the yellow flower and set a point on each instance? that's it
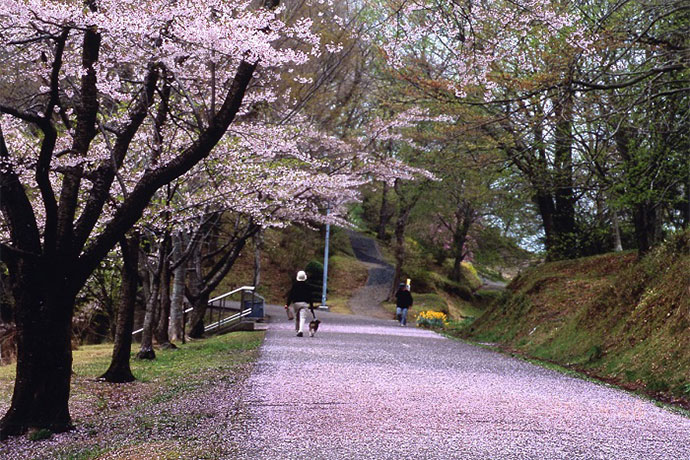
(430, 315)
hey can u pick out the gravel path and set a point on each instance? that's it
(367, 300)
(368, 389)
(489, 285)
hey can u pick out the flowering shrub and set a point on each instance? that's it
(431, 319)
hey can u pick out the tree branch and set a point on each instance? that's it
(105, 174)
(48, 146)
(16, 207)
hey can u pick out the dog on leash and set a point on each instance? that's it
(313, 327)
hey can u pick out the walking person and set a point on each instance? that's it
(403, 301)
(300, 297)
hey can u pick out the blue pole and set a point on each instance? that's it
(325, 262)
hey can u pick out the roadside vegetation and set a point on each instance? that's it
(167, 413)
(610, 316)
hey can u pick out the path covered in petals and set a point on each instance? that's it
(368, 389)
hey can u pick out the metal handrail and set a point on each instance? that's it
(227, 320)
(243, 288)
(236, 316)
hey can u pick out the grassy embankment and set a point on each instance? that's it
(610, 316)
(294, 249)
(432, 291)
(288, 250)
(167, 413)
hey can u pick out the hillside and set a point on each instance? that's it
(285, 251)
(613, 317)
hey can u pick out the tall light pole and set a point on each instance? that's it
(325, 264)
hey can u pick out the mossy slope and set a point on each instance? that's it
(611, 316)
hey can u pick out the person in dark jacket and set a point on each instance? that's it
(403, 301)
(300, 297)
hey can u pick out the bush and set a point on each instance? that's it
(461, 289)
(314, 270)
(422, 281)
(594, 354)
(470, 274)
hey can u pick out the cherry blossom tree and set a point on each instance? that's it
(90, 92)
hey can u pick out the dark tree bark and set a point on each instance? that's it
(465, 216)
(205, 282)
(406, 203)
(163, 324)
(49, 267)
(196, 317)
(44, 355)
(385, 214)
(119, 370)
(42, 384)
(646, 226)
(644, 212)
(551, 181)
(564, 217)
(546, 208)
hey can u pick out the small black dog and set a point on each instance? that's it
(313, 327)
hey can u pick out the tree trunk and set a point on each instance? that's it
(645, 220)
(546, 208)
(146, 349)
(405, 205)
(177, 300)
(463, 221)
(258, 246)
(43, 303)
(119, 370)
(177, 305)
(617, 243)
(162, 327)
(152, 304)
(564, 196)
(196, 320)
(384, 213)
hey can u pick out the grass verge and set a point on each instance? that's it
(621, 320)
(568, 371)
(181, 406)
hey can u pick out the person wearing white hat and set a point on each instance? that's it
(300, 297)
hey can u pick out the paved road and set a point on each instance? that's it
(367, 300)
(368, 389)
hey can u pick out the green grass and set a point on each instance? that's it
(216, 352)
(611, 316)
(142, 419)
(339, 305)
